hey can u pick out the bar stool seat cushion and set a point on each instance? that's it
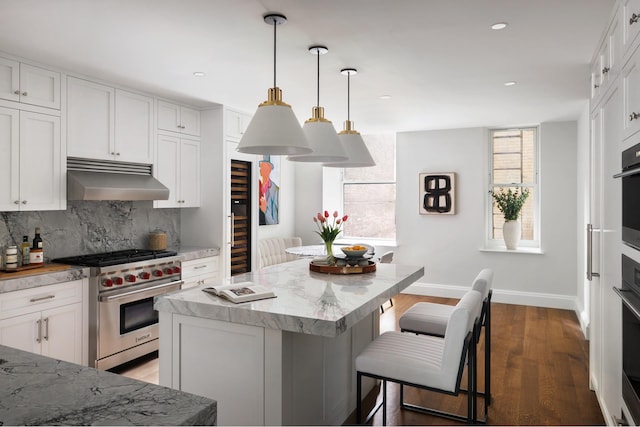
(426, 316)
(431, 362)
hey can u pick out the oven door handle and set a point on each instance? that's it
(139, 291)
(627, 173)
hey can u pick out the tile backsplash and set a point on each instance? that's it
(91, 226)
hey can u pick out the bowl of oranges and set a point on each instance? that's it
(355, 251)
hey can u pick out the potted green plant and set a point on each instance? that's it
(510, 203)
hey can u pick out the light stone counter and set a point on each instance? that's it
(39, 390)
(43, 279)
(307, 302)
(187, 253)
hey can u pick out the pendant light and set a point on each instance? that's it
(319, 131)
(274, 128)
(359, 156)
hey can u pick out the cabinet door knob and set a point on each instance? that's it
(596, 86)
(634, 18)
(605, 70)
(24, 93)
(17, 202)
(17, 92)
(24, 202)
(633, 116)
(117, 154)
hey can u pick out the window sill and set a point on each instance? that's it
(524, 250)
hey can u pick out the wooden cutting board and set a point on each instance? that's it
(23, 272)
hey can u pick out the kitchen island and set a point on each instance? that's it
(281, 361)
(39, 390)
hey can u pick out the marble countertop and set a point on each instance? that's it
(307, 302)
(43, 279)
(187, 253)
(39, 390)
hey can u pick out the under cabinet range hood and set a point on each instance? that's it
(107, 180)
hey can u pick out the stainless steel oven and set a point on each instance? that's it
(631, 196)
(122, 286)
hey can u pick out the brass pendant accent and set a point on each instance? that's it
(274, 97)
(317, 115)
(348, 129)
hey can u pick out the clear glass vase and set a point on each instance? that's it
(328, 246)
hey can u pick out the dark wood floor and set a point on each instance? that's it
(540, 365)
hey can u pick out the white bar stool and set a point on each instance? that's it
(426, 362)
(431, 319)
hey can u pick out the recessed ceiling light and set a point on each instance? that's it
(385, 96)
(499, 26)
(509, 83)
(199, 74)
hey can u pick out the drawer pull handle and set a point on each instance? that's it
(39, 337)
(634, 116)
(42, 298)
(199, 267)
(46, 329)
(634, 18)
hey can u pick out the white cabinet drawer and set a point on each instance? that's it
(631, 85)
(199, 267)
(41, 298)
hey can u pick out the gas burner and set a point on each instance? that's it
(114, 258)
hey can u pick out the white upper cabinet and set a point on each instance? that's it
(607, 64)
(134, 127)
(108, 124)
(32, 162)
(178, 168)
(631, 24)
(178, 118)
(90, 119)
(235, 124)
(28, 84)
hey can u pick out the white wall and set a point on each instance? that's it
(449, 246)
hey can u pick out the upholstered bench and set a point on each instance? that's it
(272, 250)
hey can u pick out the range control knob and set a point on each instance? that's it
(177, 269)
(107, 283)
(169, 270)
(118, 280)
(144, 275)
(131, 278)
(158, 273)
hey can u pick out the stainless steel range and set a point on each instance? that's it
(122, 322)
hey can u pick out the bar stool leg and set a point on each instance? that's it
(359, 399)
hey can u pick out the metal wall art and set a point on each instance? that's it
(437, 193)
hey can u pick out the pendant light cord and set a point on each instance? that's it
(275, 24)
(318, 80)
(349, 95)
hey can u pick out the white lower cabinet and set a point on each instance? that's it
(195, 272)
(46, 320)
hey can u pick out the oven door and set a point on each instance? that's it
(126, 317)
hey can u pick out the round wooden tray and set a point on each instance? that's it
(334, 269)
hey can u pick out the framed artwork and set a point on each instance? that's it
(437, 193)
(269, 190)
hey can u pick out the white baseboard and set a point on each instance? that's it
(566, 302)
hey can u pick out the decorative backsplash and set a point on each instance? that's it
(91, 226)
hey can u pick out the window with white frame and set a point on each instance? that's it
(369, 194)
(514, 165)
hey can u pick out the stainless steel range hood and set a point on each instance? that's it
(106, 180)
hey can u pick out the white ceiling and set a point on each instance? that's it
(438, 59)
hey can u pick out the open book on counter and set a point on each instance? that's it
(240, 292)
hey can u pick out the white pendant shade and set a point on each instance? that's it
(274, 129)
(323, 139)
(357, 152)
